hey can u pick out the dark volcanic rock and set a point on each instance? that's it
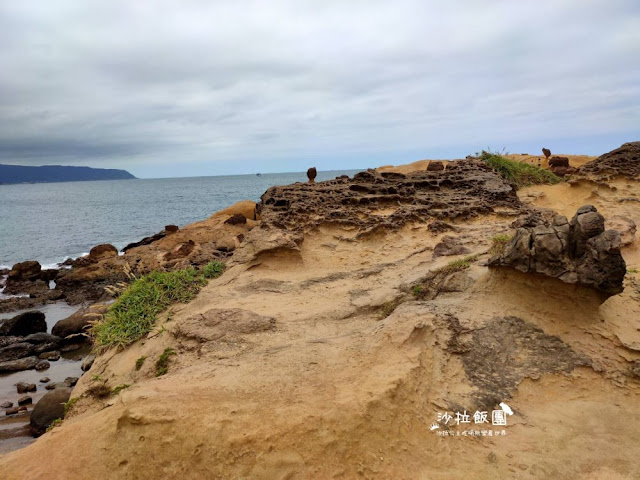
(578, 252)
(435, 166)
(623, 162)
(18, 365)
(16, 351)
(75, 323)
(146, 240)
(49, 408)
(24, 324)
(466, 188)
(559, 162)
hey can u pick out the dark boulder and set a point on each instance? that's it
(52, 356)
(16, 351)
(23, 387)
(312, 173)
(25, 363)
(559, 162)
(579, 252)
(42, 365)
(87, 363)
(147, 240)
(73, 324)
(29, 271)
(435, 166)
(6, 405)
(171, 228)
(49, 408)
(25, 400)
(24, 324)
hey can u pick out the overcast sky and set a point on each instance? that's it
(180, 88)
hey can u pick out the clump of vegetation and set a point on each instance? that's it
(162, 364)
(69, 405)
(430, 286)
(458, 265)
(632, 270)
(498, 244)
(134, 313)
(519, 174)
(119, 388)
(140, 362)
(56, 423)
(99, 391)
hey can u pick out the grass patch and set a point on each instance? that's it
(458, 265)
(632, 270)
(140, 362)
(70, 404)
(417, 290)
(119, 388)
(134, 313)
(518, 173)
(162, 364)
(56, 423)
(498, 243)
(99, 391)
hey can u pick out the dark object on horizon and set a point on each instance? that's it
(547, 152)
(312, 173)
(435, 166)
(58, 173)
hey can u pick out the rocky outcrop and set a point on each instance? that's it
(104, 250)
(27, 278)
(435, 166)
(621, 162)
(312, 173)
(546, 152)
(579, 252)
(78, 322)
(18, 365)
(24, 324)
(466, 188)
(49, 408)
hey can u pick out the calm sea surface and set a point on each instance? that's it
(49, 222)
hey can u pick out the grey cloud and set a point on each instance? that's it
(219, 83)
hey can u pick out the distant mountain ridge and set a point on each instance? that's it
(58, 173)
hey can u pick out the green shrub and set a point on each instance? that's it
(518, 173)
(140, 362)
(162, 364)
(56, 423)
(134, 313)
(498, 243)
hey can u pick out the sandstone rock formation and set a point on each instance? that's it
(467, 188)
(546, 152)
(104, 250)
(578, 252)
(621, 162)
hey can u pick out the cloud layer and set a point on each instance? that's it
(168, 88)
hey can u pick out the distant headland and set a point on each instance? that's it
(58, 173)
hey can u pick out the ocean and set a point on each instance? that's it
(50, 222)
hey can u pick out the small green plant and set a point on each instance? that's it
(135, 312)
(458, 265)
(632, 270)
(96, 378)
(213, 270)
(498, 243)
(99, 391)
(119, 388)
(162, 364)
(519, 174)
(140, 362)
(70, 404)
(56, 423)
(417, 290)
